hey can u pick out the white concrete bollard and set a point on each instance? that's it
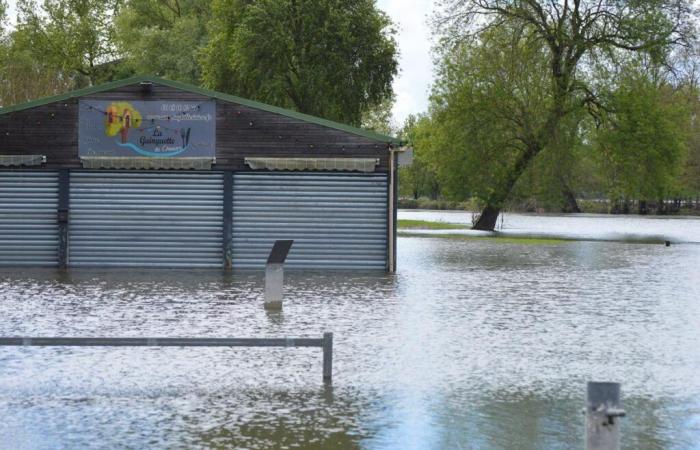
(274, 274)
(274, 286)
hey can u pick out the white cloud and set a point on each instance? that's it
(416, 65)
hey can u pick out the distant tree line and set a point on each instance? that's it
(545, 104)
(331, 58)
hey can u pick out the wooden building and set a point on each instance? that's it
(147, 172)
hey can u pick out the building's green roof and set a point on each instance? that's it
(208, 93)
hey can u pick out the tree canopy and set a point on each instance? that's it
(75, 37)
(331, 58)
(164, 37)
(569, 38)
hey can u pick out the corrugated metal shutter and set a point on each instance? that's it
(153, 219)
(337, 220)
(28, 227)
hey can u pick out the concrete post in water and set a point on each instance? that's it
(274, 274)
(602, 416)
(327, 357)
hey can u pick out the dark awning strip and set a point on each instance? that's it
(314, 164)
(22, 160)
(104, 162)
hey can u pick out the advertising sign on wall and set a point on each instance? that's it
(153, 129)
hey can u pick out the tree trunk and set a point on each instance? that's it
(643, 207)
(626, 207)
(570, 203)
(488, 218)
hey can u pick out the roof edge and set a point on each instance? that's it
(208, 93)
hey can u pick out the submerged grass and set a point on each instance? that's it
(428, 225)
(497, 239)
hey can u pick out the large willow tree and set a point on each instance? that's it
(331, 58)
(556, 44)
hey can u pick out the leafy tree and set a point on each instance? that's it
(418, 179)
(489, 94)
(557, 176)
(24, 73)
(24, 77)
(379, 118)
(569, 35)
(643, 139)
(330, 58)
(164, 37)
(689, 180)
(73, 37)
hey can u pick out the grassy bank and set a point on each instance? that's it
(428, 225)
(496, 239)
(406, 226)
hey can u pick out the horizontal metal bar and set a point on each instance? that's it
(158, 342)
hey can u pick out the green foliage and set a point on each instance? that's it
(73, 37)
(164, 37)
(24, 77)
(498, 107)
(418, 179)
(561, 171)
(488, 96)
(379, 118)
(331, 58)
(643, 141)
(689, 178)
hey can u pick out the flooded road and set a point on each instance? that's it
(473, 344)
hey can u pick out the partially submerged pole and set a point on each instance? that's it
(327, 357)
(274, 274)
(602, 413)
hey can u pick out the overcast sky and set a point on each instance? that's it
(414, 80)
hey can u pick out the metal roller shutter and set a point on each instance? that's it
(146, 219)
(28, 227)
(337, 220)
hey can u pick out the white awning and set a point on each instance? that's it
(21, 160)
(315, 164)
(105, 162)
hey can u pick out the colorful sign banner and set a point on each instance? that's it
(152, 129)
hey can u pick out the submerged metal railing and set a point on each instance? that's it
(326, 343)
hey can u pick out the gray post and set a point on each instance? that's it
(63, 217)
(602, 411)
(274, 274)
(274, 286)
(228, 220)
(327, 357)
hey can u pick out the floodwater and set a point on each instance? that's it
(473, 344)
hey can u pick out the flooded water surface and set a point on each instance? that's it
(473, 344)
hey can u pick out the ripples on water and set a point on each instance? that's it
(473, 344)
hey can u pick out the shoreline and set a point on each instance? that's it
(447, 230)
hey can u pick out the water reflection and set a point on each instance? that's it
(291, 420)
(473, 344)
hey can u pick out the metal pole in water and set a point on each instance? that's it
(274, 274)
(327, 357)
(603, 411)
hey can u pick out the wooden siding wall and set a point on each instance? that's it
(241, 131)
